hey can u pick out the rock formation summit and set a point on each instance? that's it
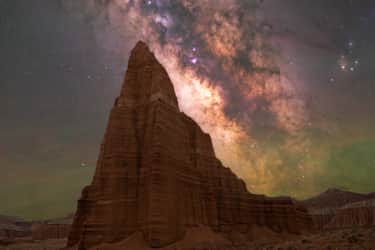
(157, 174)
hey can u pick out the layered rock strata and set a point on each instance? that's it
(335, 209)
(322, 217)
(358, 214)
(334, 198)
(52, 229)
(157, 173)
(12, 227)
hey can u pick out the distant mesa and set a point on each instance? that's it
(13, 227)
(333, 198)
(14, 230)
(159, 183)
(337, 209)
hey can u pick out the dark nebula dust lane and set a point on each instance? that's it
(285, 88)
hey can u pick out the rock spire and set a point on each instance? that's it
(157, 173)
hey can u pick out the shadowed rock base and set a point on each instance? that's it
(158, 178)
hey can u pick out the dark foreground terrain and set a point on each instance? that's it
(352, 238)
(51, 244)
(342, 239)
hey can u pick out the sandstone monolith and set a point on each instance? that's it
(157, 173)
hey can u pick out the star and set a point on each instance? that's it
(194, 60)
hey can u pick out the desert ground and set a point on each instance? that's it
(342, 239)
(51, 244)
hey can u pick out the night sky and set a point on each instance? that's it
(286, 88)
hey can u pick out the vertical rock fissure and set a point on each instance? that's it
(139, 150)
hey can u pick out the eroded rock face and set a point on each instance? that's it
(333, 199)
(322, 217)
(13, 227)
(358, 214)
(157, 173)
(334, 209)
(45, 231)
(52, 229)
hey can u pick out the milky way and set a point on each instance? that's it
(285, 88)
(231, 63)
(225, 72)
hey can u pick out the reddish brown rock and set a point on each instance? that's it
(52, 229)
(157, 173)
(13, 227)
(333, 199)
(333, 209)
(44, 231)
(358, 214)
(322, 217)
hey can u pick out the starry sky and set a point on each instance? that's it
(286, 88)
